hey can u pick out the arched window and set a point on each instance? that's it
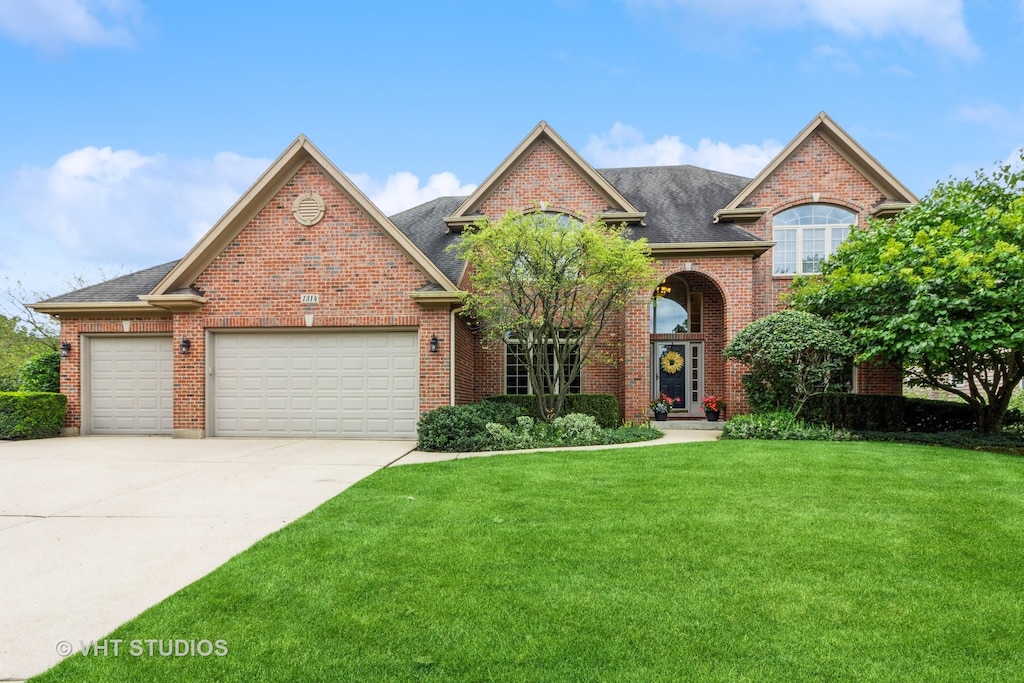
(674, 308)
(806, 235)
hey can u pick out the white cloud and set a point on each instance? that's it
(994, 116)
(55, 24)
(939, 23)
(402, 190)
(624, 145)
(105, 205)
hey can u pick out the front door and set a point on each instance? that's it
(677, 372)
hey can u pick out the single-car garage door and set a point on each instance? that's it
(131, 385)
(326, 384)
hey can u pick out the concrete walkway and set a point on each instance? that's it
(671, 436)
(94, 530)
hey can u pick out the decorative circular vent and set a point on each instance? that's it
(308, 208)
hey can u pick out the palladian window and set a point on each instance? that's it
(808, 234)
(675, 309)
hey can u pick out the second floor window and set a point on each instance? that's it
(808, 234)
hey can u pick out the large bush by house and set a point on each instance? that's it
(790, 356)
(604, 408)
(458, 429)
(874, 412)
(41, 373)
(31, 415)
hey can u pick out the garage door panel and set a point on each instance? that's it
(336, 384)
(131, 385)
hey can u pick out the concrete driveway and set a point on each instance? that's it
(94, 530)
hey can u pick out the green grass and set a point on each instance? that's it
(727, 561)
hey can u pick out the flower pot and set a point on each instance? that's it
(711, 415)
(660, 417)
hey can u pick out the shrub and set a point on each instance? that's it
(791, 355)
(41, 373)
(576, 429)
(457, 429)
(997, 442)
(856, 411)
(780, 425)
(604, 408)
(630, 434)
(513, 438)
(31, 415)
(931, 415)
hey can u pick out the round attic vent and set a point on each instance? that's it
(308, 208)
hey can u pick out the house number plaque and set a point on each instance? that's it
(309, 298)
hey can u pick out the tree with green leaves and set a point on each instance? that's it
(791, 356)
(550, 284)
(17, 345)
(939, 289)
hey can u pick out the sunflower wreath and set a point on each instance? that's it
(672, 362)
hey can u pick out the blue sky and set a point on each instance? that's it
(130, 126)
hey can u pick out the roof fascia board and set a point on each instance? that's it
(542, 132)
(846, 146)
(751, 248)
(175, 302)
(262, 191)
(94, 309)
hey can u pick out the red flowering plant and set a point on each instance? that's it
(712, 403)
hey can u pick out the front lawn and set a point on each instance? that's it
(720, 561)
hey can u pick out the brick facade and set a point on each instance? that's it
(364, 277)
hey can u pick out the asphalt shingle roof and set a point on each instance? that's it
(124, 288)
(680, 202)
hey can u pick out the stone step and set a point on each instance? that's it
(687, 424)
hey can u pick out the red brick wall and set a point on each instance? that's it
(544, 176)
(815, 168)
(465, 363)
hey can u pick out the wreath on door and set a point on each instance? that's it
(672, 362)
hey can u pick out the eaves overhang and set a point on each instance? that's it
(175, 302)
(433, 299)
(751, 248)
(740, 216)
(889, 209)
(93, 309)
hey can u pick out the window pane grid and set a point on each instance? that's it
(805, 235)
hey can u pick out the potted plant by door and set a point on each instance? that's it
(661, 406)
(712, 406)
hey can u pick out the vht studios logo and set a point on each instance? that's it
(150, 647)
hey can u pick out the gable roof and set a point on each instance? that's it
(261, 192)
(623, 209)
(896, 193)
(118, 294)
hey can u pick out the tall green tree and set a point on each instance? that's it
(552, 284)
(17, 345)
(939, 289)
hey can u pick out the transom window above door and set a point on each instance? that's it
(675, 309)
(808, 234)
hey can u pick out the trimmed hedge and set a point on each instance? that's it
(879, 413)
(604, 408)
(31, 414)
(859, 412)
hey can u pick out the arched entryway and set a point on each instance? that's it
(686, 340)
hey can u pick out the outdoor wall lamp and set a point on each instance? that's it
(434, 343)
(186, 344)
(65, 349)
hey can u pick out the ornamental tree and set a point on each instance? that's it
(791, 356)
(552, 284)
(939, 289)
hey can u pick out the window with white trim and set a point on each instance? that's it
(808, 234)
(517, 380)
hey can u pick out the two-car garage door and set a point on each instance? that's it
(328, 384)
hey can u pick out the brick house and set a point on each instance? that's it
(305, 311)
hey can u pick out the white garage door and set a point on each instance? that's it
(131, 385)
(328, 384)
